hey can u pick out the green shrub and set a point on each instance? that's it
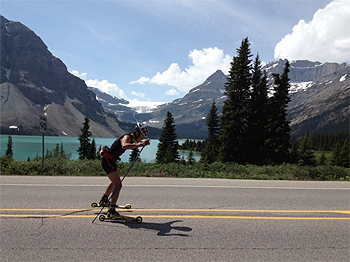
(62, 166)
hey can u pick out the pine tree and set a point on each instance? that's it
(56, 151)
(190, 158)
(84, 139)
(9, 152)
(278, 142)
(257, 120)
(134, 153)
(344, 154)
(168, 144)
(306, 155)
(294, 154)
(323, 160)
(210, 151)
(335, 159)
(92, 150)
(236, 107)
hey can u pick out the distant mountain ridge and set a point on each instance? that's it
(34, 82)
(319, 94)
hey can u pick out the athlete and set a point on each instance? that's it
(111, 155)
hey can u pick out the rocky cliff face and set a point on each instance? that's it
(34, 82)
(319, 94)
(322, 105)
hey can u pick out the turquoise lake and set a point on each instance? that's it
(30, 146)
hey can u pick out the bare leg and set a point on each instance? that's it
(109, 189)
(115, 180)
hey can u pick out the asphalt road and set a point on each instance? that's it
(50, 219)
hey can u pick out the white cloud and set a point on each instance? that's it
(138, 94)
(107, 87)
(326, 38)
(80, 75)
(141, 80)
(103, 85)
(204, 63)
(172, 92)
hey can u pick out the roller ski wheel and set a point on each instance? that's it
(99, 205)
(138, 219)
(127, 206)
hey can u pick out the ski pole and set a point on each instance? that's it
(138, 155)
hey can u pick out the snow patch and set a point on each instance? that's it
(297, 87)
(272, 66)
(144, 106)
(100, 99)
(8, 73)
(343, 78)
(154, 121)
(47, 90)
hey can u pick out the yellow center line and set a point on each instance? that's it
(178, 216)
(245, 210)
(44, 209)
(182, 210)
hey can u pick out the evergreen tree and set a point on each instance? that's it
(84, 139)
(294, 154)
(257, 120)
(233, 130)
(61, 152)
(134, 153)
(344, 154)
(56, 151)
(323, 160)
(306, 155)
(92, 150)
(190, 158)
(168, 144)
(278, 142)
(335, 159)
(9, 152)
(210, 151)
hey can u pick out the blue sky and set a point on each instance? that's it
(157, 50)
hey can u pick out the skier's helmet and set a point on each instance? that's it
(142, 129)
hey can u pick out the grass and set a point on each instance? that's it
(66, 167)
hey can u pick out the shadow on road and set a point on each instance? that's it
(163, 229)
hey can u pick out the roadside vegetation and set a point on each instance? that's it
(61, 166)
(249, 140)
(58, 163)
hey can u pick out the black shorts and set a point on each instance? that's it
(108, 165)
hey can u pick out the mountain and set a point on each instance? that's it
(118, 106)
(319, 94)
(321, 104)
(35, 83)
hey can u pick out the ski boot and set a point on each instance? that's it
(103, 201)
(113, 214)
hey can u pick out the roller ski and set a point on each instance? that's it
(103, 203)
(127, 206)
(112, 214)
